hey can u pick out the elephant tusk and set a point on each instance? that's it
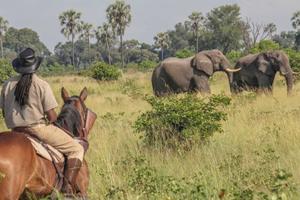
(232, 70)
(295, 72)
(283, 73)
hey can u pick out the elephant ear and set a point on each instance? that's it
(202, 63)
(264, 65)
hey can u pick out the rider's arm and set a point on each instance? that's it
(51, 115)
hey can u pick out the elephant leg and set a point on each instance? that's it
(200, 83)
(264, 84)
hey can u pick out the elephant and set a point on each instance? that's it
(176, 75)
(257, 72)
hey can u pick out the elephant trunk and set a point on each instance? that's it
(230, 79)
(289, 82)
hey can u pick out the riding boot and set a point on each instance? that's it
(70, 174)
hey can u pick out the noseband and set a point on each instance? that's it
(88, 117)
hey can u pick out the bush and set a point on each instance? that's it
(265, 45)
(184, 53)
(147, 65)
(294, 57)
(181, 121)
(104, 71)
(233, 56)
(55, 69)
(6, 70)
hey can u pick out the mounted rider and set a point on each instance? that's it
(27, 101)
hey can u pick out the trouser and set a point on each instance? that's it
(58, 139)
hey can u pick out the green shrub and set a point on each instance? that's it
(6, 70)
(233, 56)
(181, 121)
(56, 69)
(265, 45)
(184, 53)
(147, 64)
(294, 57)
(104, 71)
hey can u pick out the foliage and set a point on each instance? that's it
(184, 53)
(162, 42)
(147, 65)
(181, 120)
(233, 56)
(180, 38)
(3, 29)
(103, 71)
(145, 181)
(294, 58)
(18, 39)
(196, 21)
(224, 28)
(260, 180)
(265, 45)
(84, 55)
(70, 22)
(6, 70)
(119, 17)
(55, 69)
(286, 39)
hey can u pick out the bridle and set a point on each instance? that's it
(88, 117)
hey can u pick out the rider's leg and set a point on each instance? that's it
(68, 146)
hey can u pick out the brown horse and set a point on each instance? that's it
(23, 171)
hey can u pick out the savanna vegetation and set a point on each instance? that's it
(181, 147)
(253, 154)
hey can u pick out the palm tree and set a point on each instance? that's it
(3, 29)
(104, 34)
(296, 20)
(86, 33)
(70, 20)
(119, 17)
(162, 42)
(196, 20)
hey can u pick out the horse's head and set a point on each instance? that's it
(75, 117)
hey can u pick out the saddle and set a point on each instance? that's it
(45, 150)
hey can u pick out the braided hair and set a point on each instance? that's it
(22, 89)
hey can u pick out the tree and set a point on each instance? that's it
(224, 26)
(119, 17)
(70, 21)
(196, 20)
(255, 32)
(296, 20)
(63, 52)
(285, 39)
(180, 38)
(104, 35)
(162, 42)
(3, 29)
(17, 40)
(86, 33)
(296, 24)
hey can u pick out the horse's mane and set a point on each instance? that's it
(69, 118)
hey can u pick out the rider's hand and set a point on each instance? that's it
(51, 115)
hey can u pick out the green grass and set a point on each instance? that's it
(260, 136)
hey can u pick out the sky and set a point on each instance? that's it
(149, 17)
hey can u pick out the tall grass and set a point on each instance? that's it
(260, 138)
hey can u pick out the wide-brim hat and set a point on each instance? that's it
(27, 62)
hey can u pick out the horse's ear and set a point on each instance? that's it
(64, 94)
(83, 94)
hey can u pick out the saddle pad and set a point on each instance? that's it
(42, 151)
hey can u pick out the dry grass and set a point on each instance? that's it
(254, 124)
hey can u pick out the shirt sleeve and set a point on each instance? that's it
(48, 100)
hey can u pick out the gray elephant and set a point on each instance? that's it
(175, 75)
(258, 72)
